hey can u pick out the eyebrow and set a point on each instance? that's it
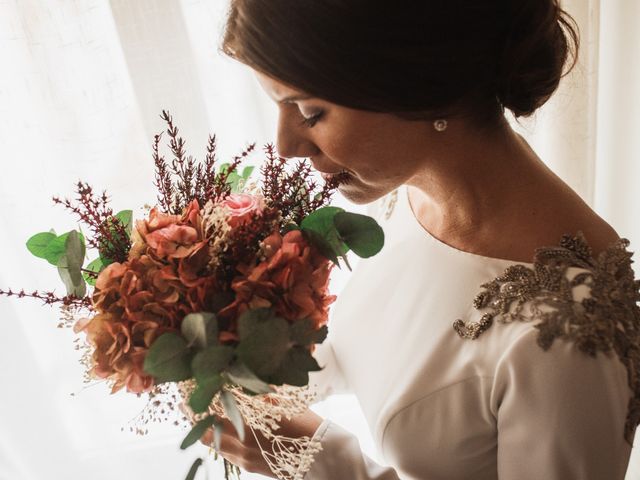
(295, 98)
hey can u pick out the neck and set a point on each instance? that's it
(476, 180)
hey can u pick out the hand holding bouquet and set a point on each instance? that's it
(216, 298)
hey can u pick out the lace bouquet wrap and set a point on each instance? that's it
(216, 298)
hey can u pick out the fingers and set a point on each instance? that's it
(230, 443)
(232, 449)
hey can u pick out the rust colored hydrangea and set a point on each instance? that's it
(293, 280)
(138, 300)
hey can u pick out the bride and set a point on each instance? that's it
(496, 335)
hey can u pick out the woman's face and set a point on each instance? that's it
(378, 151)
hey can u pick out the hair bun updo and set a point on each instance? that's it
(422, 59)
(541, 40)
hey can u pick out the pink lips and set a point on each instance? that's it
(328, 176)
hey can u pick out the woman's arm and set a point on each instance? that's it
(341, 458)
(560, 413)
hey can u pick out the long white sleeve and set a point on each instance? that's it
(341, 458)
(560, 413)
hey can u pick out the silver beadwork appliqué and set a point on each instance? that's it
(606, 320)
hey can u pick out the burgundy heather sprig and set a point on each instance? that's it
(109, 234)
(293, 193)
(162, 178)
(206, 176)
(193, 180)
(50, 298)
(221, 188)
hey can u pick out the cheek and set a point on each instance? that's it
(374, 147)
(357, 150)
(373, 162)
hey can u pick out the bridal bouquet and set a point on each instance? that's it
(211, 305)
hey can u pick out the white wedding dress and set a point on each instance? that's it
(441, 407)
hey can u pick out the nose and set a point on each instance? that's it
(291, 140)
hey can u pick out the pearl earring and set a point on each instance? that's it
(440, 125)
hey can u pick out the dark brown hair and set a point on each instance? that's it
(419, 59)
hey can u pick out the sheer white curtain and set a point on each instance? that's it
(588, 132)
(81, 86)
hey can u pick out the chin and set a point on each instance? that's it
(360, 195)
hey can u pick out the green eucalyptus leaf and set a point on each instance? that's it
(323, 246)
(69, 276)
(235, 181)
(211, 361)
(126, 217)
(169, 359)
(95, 266)
(303, 332)
(57, 247)
(39, 242)
(200, 329)
(247, 171)
(251, 319)
(290, 227)
(106, 261)
(75, 250)
(198, 431)
(232, 412)
(361, 233)
(321, 230)
(321, 219)
(70, 265)
(264, 344)
(240, 374)
(295, 368)
(320, 335)
(204, 392)
(194, 469)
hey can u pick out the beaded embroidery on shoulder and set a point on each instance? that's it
(607, 320)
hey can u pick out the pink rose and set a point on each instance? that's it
(241, 208)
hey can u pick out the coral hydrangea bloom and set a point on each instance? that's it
(171, 236)
(146, 296)
(293, 279)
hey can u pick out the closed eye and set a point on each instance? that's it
(311, 121)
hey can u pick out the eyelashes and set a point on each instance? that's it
(311, 121)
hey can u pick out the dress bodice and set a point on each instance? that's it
(442, 407)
